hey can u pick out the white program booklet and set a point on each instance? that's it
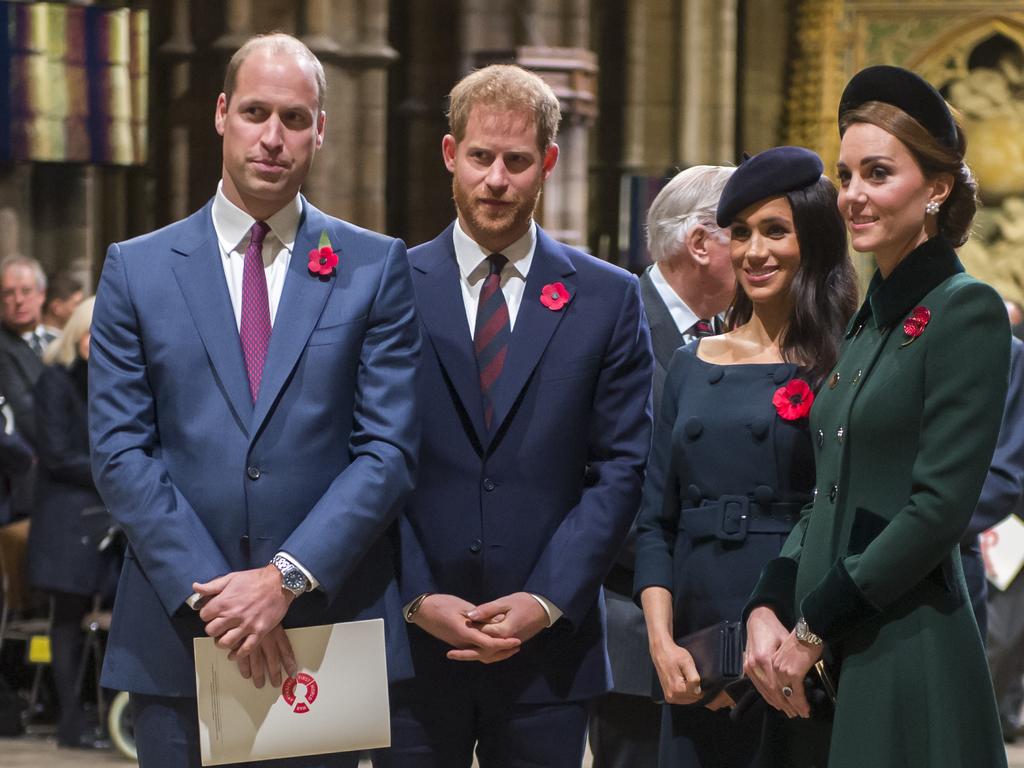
(1002, 547)
(337, 702)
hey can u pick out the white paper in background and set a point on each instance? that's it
(338, 701)
(1002, 547)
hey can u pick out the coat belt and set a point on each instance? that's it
(731, 518)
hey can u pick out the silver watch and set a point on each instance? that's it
(804, 634)
(292, 578)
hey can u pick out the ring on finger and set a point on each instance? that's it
(787, 691)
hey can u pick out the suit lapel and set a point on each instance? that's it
(302, 302)
(440, 306)
(665, 335)
(535, 324)
(200, 276)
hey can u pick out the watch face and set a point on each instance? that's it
(294, 580)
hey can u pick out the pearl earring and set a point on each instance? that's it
(932, 208)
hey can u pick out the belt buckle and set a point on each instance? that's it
(734, 518)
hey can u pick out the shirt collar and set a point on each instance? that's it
(914, 277)
(232, 224)
(471, 256)
(684, 316)
(38, 332)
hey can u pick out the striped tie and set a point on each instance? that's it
(255, 328)
(702, 328)
(492, 333)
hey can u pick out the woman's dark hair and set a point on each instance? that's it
(934, 157)
(824, 290)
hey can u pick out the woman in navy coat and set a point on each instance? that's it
(68, 521)
(732, 461)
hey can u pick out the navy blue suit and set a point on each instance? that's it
(206, 482)
(541, 503)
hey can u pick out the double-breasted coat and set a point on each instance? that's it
(904, 428)
(69, 519)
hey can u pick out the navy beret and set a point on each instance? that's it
(905, 90)
(771, 173)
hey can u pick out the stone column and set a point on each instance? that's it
(349, 175)
(174, 171)
(707, 82)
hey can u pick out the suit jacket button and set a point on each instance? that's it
(489, 485)
(253, 473)
(821, 438)
(832, 492)
(476, 546)
(834, 381)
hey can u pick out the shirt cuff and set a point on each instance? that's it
(313, 583)
(552, 610)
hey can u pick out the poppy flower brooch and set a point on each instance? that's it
(323, 260)
(915, 324)
(793, 400)
(554, 296)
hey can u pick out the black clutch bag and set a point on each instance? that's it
(717, 653)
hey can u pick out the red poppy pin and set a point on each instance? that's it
(554, 296)
(915, 324)
(323, 259)
(793, 400)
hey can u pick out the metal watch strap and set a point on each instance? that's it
(292, 578)
(804, 633)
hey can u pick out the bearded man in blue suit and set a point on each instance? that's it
(251, 414)
(535, 382)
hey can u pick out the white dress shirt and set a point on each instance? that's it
(473, 269)
(232, 226)
(683, 316)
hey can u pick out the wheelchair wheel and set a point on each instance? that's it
(119, 722)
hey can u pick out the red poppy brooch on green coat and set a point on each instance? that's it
(915, 324)
(793, 400)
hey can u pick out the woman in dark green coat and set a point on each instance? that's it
(904, 429)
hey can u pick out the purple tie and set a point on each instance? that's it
(255, 327)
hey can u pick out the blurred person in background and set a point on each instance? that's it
(69, 521)
(64, 292)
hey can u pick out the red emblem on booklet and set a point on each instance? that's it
(915, 324)
(554, 296)
(793, 400)
(299, 703)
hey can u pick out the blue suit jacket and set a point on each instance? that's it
(204, 481)
(541, 503)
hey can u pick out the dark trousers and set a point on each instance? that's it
(440, 729)
(1006, 649)
(66, 643)
(167, 736)
(624, 731)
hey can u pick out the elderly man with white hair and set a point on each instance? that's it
(684, 294)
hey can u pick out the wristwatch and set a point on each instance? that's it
(292, 578)
(804, 634)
